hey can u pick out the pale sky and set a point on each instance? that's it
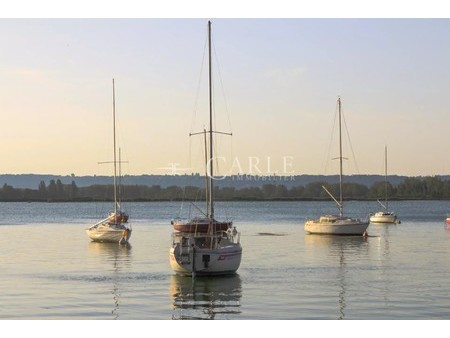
(276, 86)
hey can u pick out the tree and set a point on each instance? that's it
(269, 191)
(73, 191)
(59, 189)
(412, 187)
(434, 187)
(377, 190)
(355, 190)
(42, 190)
(52, 189)
(297, 192)
(315, 190)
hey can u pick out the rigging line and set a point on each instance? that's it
(194, 115)
(327, 157)
(120, 140)
(185, 178)
(193, 157)
(217, 67)
(350, 143)
(216, 141)
(119, 135)
(222, 87)
(200, 191)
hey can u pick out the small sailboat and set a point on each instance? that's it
(384, 216)
(204, 245)
(337, 224)
(112, 229)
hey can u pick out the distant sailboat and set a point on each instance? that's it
(112, 228)
(203, 245)
(384, 216)
(337, 224)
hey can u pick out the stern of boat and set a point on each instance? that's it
(190, 253)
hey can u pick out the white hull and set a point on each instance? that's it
(382, 217)
(222, 260)
(335, 225)
(110, 233)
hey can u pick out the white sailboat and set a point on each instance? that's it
(112, 228)
(337, 224)
(203, 245)
(384, 216)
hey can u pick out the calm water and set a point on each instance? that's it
(51, 270)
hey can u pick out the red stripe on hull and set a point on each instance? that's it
(193, 227)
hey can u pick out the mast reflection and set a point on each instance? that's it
(119, 257)
(339, 247)
(206, 297)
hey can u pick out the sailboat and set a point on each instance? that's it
(112, 228)
(384, 216)
(204, 245)
(337, 224)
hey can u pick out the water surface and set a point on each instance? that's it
(51, 270)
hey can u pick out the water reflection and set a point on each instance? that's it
(447, 227)
(384, 259)
(117, 257)
(205, 297)
(341, 248)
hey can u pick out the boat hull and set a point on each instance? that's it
(109, 234)
(206, 262)
(336, 226)
(382, 217)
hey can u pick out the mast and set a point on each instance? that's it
(119, 185)
(209, 178)
(206, 174)
(115, 160)
(341, 206)
(211, 189)
(385, 178)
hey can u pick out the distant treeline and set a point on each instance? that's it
(410, 188)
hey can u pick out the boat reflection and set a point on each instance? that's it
(385, 262)
(206, 297)
(118, 256)
(340, 247)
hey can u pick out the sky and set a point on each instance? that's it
(276, 83)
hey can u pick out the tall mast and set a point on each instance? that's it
(385, 178)
(119, 185)
(341, 206)
(211, 189)
(206, 175)
(115, 160)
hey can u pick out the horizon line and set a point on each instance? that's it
(202, 175)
